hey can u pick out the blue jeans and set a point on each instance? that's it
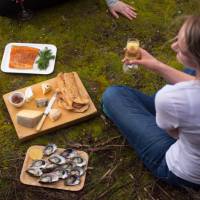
(134, 114)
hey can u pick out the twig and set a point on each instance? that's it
(77, 145)
(105, 174)
(109, 172)
(164, 191)
(108, 141)
(123, 143)
(149, 194)
(116, 166)
(114, 190)
(94, 149)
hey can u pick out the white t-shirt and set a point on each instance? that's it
(178, 106)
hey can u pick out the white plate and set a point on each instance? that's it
(35, 70)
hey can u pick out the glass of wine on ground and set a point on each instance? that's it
(132, 52)
(24, 14)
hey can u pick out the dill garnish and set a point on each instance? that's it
(44, 57)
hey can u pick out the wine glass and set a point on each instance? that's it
(131, 53)
(24, 14)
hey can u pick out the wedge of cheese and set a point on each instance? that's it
(54, 114)
(29, 118)
(28, 94)
(46, 88)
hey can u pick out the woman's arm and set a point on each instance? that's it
(170, 74)
(111, 2)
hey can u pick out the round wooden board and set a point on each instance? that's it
(25, 178)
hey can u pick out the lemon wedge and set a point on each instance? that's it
(35, 153)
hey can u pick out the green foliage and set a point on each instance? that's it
(44, 57)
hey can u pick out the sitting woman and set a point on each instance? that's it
(164, 129)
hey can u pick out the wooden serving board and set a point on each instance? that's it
(26, 179)
(67, 118)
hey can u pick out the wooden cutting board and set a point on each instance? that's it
(25, 178)
(67, 118)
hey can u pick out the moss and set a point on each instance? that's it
(90, 42)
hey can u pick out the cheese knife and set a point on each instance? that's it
(46, 112)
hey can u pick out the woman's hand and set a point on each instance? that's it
(147, 60)
(124, 9)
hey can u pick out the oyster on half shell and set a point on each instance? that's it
(69, 153)
(77, 171)
(39, 164)
(49, 168)
(68, 166)
(49, 149)
(72, 180)
(49, 178)
(57, 159)
(34, 171)
(80, 162)
(62, 174)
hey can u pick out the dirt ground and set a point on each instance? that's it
(90, 42)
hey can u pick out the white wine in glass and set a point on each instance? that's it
(132, 52)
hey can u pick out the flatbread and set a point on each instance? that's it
(22, 57)
(70, 96)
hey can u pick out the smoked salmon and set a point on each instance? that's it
(23, 57)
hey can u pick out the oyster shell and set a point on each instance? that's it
(62, 174)
(77, 171)
(80, 162)
(68, 166)
(72, 180)
(49, 168)
(57, 159)
(49, 178)
(49, 149)
(69, 153)
(38, 164)
(34, 171)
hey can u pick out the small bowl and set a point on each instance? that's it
(17, 99)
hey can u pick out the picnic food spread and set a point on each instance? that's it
(72, 103)
(69, 98)
(19, 58)
(53, 167)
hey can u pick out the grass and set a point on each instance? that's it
(90, 42)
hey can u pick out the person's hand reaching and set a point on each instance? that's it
(124, 9)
